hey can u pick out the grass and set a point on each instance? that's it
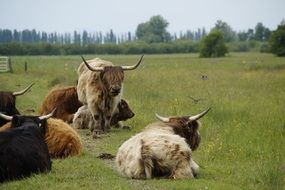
(243, 136)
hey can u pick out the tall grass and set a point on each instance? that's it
(243, 136)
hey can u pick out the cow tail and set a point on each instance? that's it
(146, 159)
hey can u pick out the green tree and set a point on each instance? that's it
(261, 32)
(277, 40)
(153, 30)
(227, 31)
(213, 45)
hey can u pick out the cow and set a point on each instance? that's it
(8, 102)
(62, 140)
(99, 87)
(23, 150)
(65, 100)
(83, 118)
(162, 149)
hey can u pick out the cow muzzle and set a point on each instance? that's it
(115, 90)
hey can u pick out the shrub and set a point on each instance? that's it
(213, 45)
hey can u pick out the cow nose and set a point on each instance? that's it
(116, 89)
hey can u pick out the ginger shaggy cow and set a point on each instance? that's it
(99, 87)
(162, 150)
(65, 100)
(62, 140)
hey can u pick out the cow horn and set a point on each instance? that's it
(198, 116)
(163, 119)
(48, 115)
(6, 117)
(23, 91)
(95, 69)
(129, 68)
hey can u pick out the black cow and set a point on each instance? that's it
(23, 150)
(8, 103)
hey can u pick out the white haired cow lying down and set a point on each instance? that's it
(162, 150)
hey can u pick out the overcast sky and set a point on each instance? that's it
(124, 15)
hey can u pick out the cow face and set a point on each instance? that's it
(186, 127)
(125, 111)
(29, 121)
(112, 78)
(122, 113)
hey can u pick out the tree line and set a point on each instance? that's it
(150, 37)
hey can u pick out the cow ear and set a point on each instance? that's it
(43, 126)
(15, 121)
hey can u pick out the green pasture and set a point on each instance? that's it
(243, 136)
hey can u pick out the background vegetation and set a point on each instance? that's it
(150, 37)
(242, 136)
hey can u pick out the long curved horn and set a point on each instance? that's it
(95, 69)
(163, 119)
(129, 68)
(23, 91)
(6, 117)
(48, 115)
(198, 116)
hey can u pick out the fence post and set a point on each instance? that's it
(26, 66)
(10, 65)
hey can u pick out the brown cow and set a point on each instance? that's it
(65, 100)
(99, 87)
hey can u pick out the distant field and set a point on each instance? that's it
(243, 136)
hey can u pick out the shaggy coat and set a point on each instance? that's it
(99, 87)
(161, 150)
(62, 140)
(101, 91)
(8, 103)
(83, 117)
(23, 150)
(65, 100)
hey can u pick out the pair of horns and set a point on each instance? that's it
(23, 91)
(9, 118)
(125, 68)
(191, 118)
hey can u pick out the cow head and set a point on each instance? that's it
(186, 126)
(28, 121)
(8, 102)
(122, 113)
(112, 76)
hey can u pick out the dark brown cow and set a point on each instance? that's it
(8, 103)
(65, 100)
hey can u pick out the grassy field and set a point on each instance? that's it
(243, 136)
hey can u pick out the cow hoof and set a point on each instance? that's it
(97, 133)
(127, 127)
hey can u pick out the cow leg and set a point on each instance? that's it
(182, 170)
(194, 166)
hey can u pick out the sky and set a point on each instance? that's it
(124, 15)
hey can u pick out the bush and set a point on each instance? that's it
(277, 41)
(213, 45)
